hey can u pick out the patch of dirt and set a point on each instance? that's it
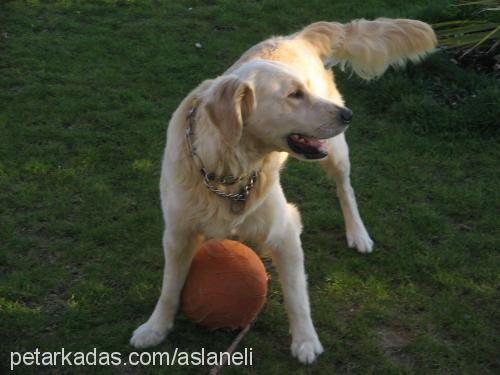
(393, 340)
(481, 62)
(486, 62)
(390, 338)
(224, 28)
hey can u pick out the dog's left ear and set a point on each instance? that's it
(230, 103)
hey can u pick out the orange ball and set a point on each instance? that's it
(226, 285)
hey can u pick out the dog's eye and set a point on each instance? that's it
(297, 94)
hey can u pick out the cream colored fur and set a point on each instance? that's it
(370, 47)
(242, 120)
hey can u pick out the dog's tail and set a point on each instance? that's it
(370, 47)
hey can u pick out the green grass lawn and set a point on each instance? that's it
(86, 91)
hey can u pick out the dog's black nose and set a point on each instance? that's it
(346, 115)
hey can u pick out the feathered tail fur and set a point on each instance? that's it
(370, 47)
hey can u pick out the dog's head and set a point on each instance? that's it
(270, 103)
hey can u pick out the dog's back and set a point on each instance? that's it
(368, 47)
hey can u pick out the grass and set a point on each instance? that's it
(87, 88)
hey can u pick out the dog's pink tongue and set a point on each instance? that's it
(317, 143)
(307, 141)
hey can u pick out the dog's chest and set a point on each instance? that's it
(222, 228)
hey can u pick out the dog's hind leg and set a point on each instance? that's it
(337, 166)
(179, 246)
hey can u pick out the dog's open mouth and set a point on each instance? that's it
(309, 147)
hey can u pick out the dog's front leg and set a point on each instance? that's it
(178, 247)
(286, 249)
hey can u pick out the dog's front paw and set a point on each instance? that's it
(147, 335)
(306, 350)
(360, 239)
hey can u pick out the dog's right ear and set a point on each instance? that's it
(230, 102)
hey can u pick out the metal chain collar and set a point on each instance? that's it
(210, 179)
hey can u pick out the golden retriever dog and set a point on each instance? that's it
(229, 138)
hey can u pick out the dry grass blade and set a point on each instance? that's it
(482, 2)
(468, 35)
(484, 39)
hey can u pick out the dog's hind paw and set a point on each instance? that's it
(146, 335)
(306, 351)
(360, 240)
